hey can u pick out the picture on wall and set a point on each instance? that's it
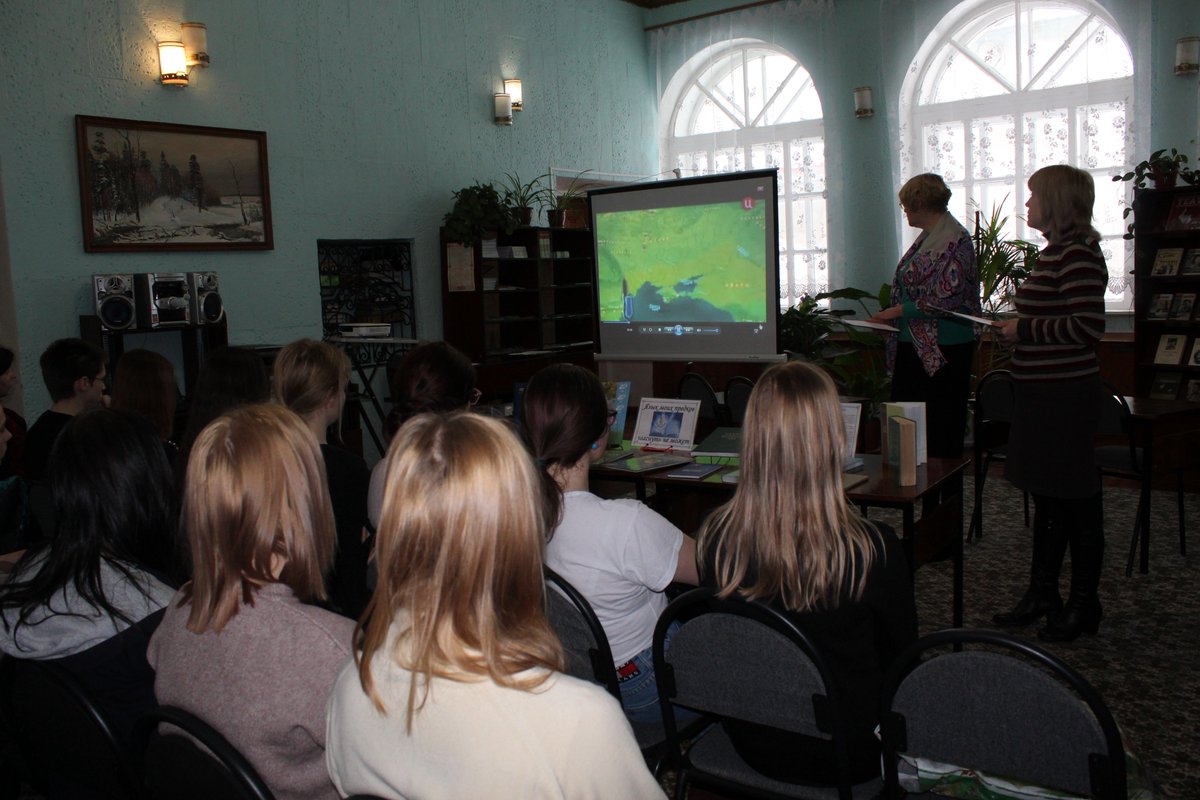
(158, 186)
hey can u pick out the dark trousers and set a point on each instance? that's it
(944, 394)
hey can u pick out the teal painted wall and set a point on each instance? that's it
(374, 112)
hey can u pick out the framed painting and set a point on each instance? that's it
(157, 186)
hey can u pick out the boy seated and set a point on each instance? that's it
(74, 374)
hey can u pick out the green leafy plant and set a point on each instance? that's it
(1002, 263)
(1162, 169)
(477, 209)
(567, 197)
(521, 194)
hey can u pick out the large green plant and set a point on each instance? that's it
(1002, 263)
(477, 209)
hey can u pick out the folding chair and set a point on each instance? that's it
(187, 759)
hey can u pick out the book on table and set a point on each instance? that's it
(902, 448)
(617, 394)
(915, 412)
(666, 424)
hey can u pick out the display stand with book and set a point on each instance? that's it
(1166, 284)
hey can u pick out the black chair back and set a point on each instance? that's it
(69, 745)
(1011, 710)
(737, 397)
(736, 660)
(589, 656)
(694, 386)
(187, 759)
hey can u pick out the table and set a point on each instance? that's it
(938, 491)
(1146, 412)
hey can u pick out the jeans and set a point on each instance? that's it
(639, 692)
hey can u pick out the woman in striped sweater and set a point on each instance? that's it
(1058, 393)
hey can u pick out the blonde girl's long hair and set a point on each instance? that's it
(459, 549)
(788, 534)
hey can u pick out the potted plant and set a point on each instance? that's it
(1162, 169)
(1002, 264)
(558, 204)
(477, 209)
(521, 195)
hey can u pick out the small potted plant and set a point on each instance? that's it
(521, 195)
(1162, 169)
(558, 204)
(477, 209)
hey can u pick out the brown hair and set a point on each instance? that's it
(789, 525)
(459, 551)
(563, 413)
(255, 491)
(144, 383)
(307, 373)
(433, 376)
(1066, 196)
(925, 192)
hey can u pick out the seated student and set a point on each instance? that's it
(433, 376)
(789, 538)
(86, 599)
(456, 690)
(13, 461)
(144, 382)
(230, 377)
(240, 646)
(74, 373)
(618, 553)
(310, 379)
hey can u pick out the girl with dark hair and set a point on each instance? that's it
(13, 461)
(790, 538)
(231, 377)
(433, 376)
(89, 598)
(620, 554)
(144, 383)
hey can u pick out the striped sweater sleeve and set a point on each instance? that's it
(1061, 307)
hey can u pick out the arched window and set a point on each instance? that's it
(1004, 87)
(746, 104)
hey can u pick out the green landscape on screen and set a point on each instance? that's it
(690, 264)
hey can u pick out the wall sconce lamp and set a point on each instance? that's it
(863, 105)
(175, 57)
(512, 87)
(1187, 55)
(504, 108)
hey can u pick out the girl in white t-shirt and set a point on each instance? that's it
(618, 553)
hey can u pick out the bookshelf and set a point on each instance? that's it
(515, 302)
(1167, 293)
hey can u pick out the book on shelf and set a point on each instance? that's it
(544, 244)
(1185, 213)
(1166, 262)
(1171, 347)
(1181, 306)
(1165, 386)
(1191, 263)
(1193, 391)
(1160, 306)
(1194, 358)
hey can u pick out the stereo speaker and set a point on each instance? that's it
(114, 298)
(207, 306)
(164, 299)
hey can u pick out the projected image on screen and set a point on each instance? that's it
(700, 264)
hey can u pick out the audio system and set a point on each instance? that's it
(164, 299)
(207, 306)
(113, 295)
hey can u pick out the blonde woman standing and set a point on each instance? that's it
(789, 538)
(457, 691)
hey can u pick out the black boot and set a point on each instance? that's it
(1082, 613)
(1042, 597)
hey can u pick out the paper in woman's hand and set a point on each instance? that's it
(867, 325)
(991, 323)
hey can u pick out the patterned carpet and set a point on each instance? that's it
(1143, 660)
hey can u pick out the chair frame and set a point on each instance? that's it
(601, 655)
(124, 773)
(985, 455)
(737, 380)
(702, 601)
(220, 751)
(1138, 470)
(709, 394)
(1107, 772)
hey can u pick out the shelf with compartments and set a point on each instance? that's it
(519, 295)
(1167, 293)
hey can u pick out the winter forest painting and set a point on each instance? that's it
(155, 186)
